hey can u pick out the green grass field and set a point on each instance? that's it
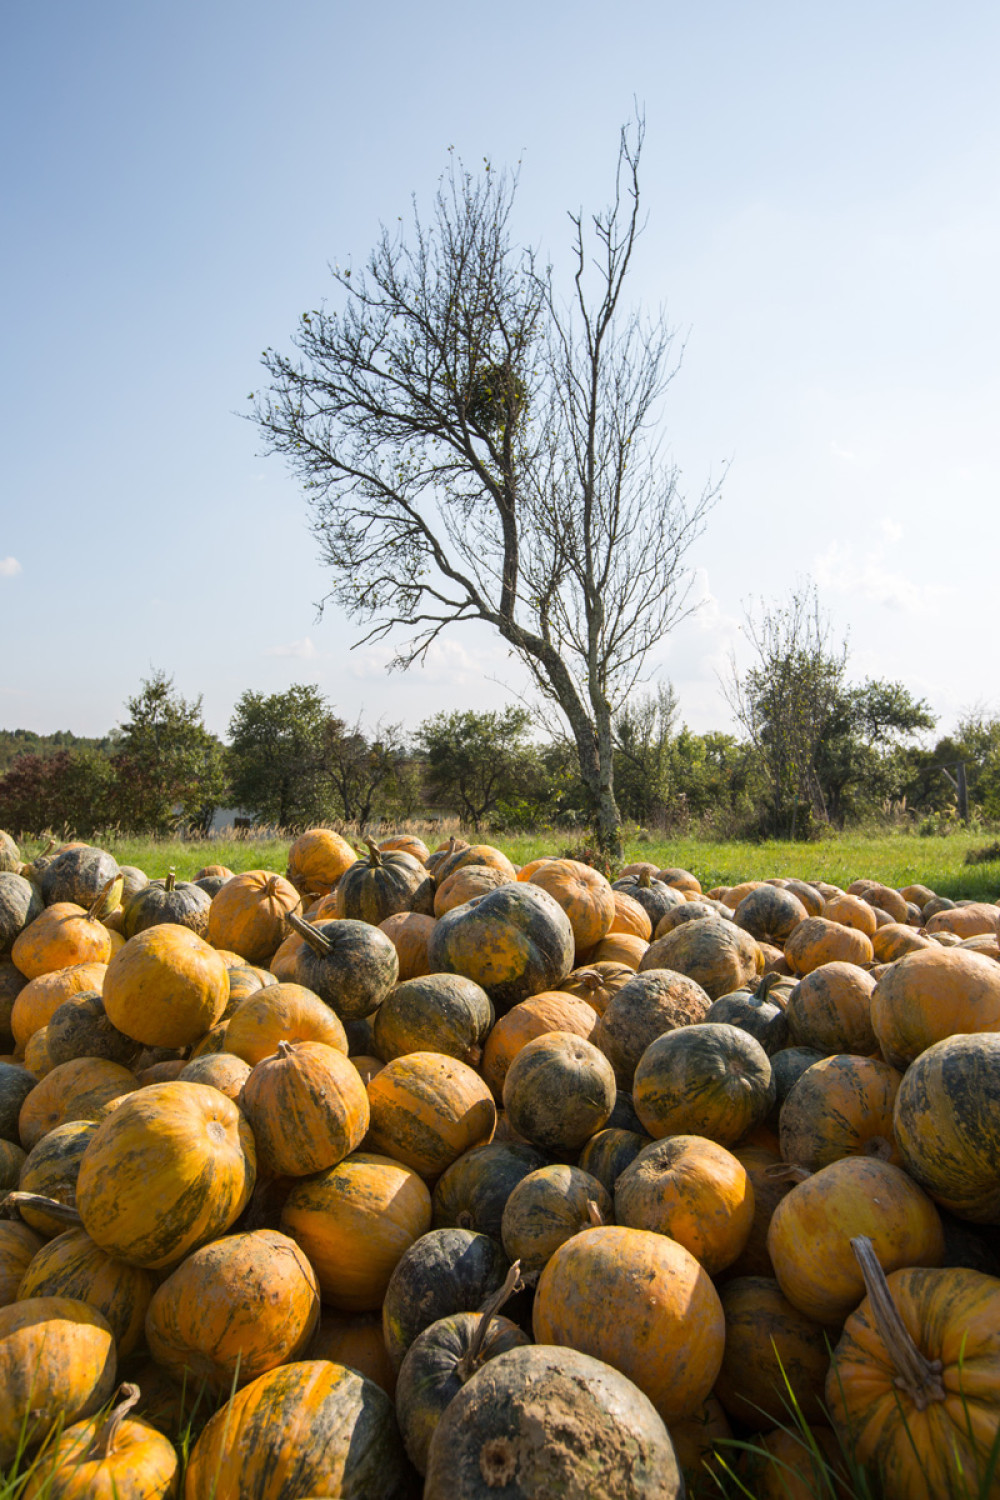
(896, 859)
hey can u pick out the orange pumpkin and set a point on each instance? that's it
(357, 1340)
(234, 1309)
(584, 895)
(427, 1109)
(631, 917)
(281, 1013)
(830, 1009)
(18, 1246)
(57, 1363)
(818, 941)
(317, 859)
(117, 1457)
(712, 951)
(354, 1221)
(38, 1001)
(552, 1010)
(73, 1091)
(841, 1106)
(772, 1351)
(171, 1168)
(410, 934)
(248, 914)
(643, 1304)
(934, 994)
(63, 935)
(694, 1191)
(71, 1265)
(307, 1107)
(166, 987)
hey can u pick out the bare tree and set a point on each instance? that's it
(785, 702)
(476, 449)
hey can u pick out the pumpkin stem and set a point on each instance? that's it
(285, 1049)
(12, 1203)
(171, 880)
(107, 1433)
(107, 899)
(591, 979)
(374, 852)
(645, 879)
(317, 940)
(786, 1171)
(766, 985)
(917, 1375)
(472, 1358)
(594, 1216)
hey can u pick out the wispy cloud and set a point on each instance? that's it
(9, 567)
(304, 650)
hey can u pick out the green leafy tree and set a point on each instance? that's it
(477, 446)
(277, 755)
(643, 732)
(169, 768)
(862, 759)
(365, 775)
(475, 760)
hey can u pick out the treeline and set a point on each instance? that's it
(292, 761)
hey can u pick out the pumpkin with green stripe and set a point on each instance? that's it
(71, 1265)
(947, 1124)
(474, 1190)
(308, 1109)
(234, 1309)
(771, 1349)
(841, 1106)
(171, 1168)
(427, 1109)
(383, 883)
(308, 1428)
(168, 900)
(446, 1271)
(57, 1364)
(20, 903)
(351, 965)
(51, 1169)
(546, 1209)
(712, 1080)
(516, 941)
(436, 1013)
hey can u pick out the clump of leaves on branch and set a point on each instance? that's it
(476, 448)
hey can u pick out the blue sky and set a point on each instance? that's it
(824, 230)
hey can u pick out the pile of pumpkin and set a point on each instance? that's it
(516, 1180)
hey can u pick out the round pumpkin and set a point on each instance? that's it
(117, 1457)
(307, 1107)
(71, 1265)
(382, 884)
(248, 914)
(81, 1028)
(179, 902)
(647, 1006)
(354, 1221)
(607, 1154)
(830, 1009)
(515, 942)
(552, 1010)
(78, 1090)
(584, 895)
(351, 965)
(436, 1013)
(233, 1310)
(61, 936)
(947, 1124)
(166, 987)
(51, 1169)
(57, 1364)
(712, 1080)
(40, 998)
(817, 941)
(717, 954)
(281, 1013)
(693, 1190)
(170, 1169)
(559, 1091)
(310, 1428)
(317, 859)
(841, 1106)
(547, 1208)
(427, 1109)
(643, 1304)
(934, 994)
(473, 1192)
(410, 935)
(444, 1272)
(773, 1354)
(20, 903)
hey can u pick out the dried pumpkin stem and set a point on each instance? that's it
(917, 1375)
(62, 1211)
(107, 1434)
(107, 898)
(766, 985)
(312, 935)
(472, 1358)
(594, 1216)
(171, 880)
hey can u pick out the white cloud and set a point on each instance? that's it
(846, 570)
(303, 650)
(9, 567)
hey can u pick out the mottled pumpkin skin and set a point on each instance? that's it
(652, 1003)
(607, 1154)
(171, 1168)
(18, 1247)
(841, 1106)
(281, 1013)
(552, 1010)
(179, 902)
(383, 884)
(439, 1013)
(584, 895)
(716, 954)
(427, 1109)
(547, 1208)
(537, 1421)
(812, 1227)
(947, 1124)
(625, 948)
(309, 1428)
(598, 983)
(142, 1465)
(953, 1316)
(71, 1265)
(851, 911)
(445, 1271)
(465, 884)
(559, 1091)
(965, 921)
(354, 1222)
(769, 914)
(307, 1107)
(515, 942)
(219, 1070)
(20, 903)
(760, 1164)
(77, 874)
(463, 855)
(354, 1339)
(641, 1303)
(473, 1192)
(654, 896)
(895, 940)
(234, 1309)
(357, 973)
(317, 859)
(410, 935)
(57, 1360)
(166, 987)
(770, 1346)
(81, 1027)
(437, 1365)
(61, 936)
(248, 914)
(77, 1090)
(16, 1083)
(830, 1009)
(712, 1080)
(12, 1159)
(818, 941)
(631, 917)
(51, 1170)
(693, 1190)
(408, 843)
(934, 994)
